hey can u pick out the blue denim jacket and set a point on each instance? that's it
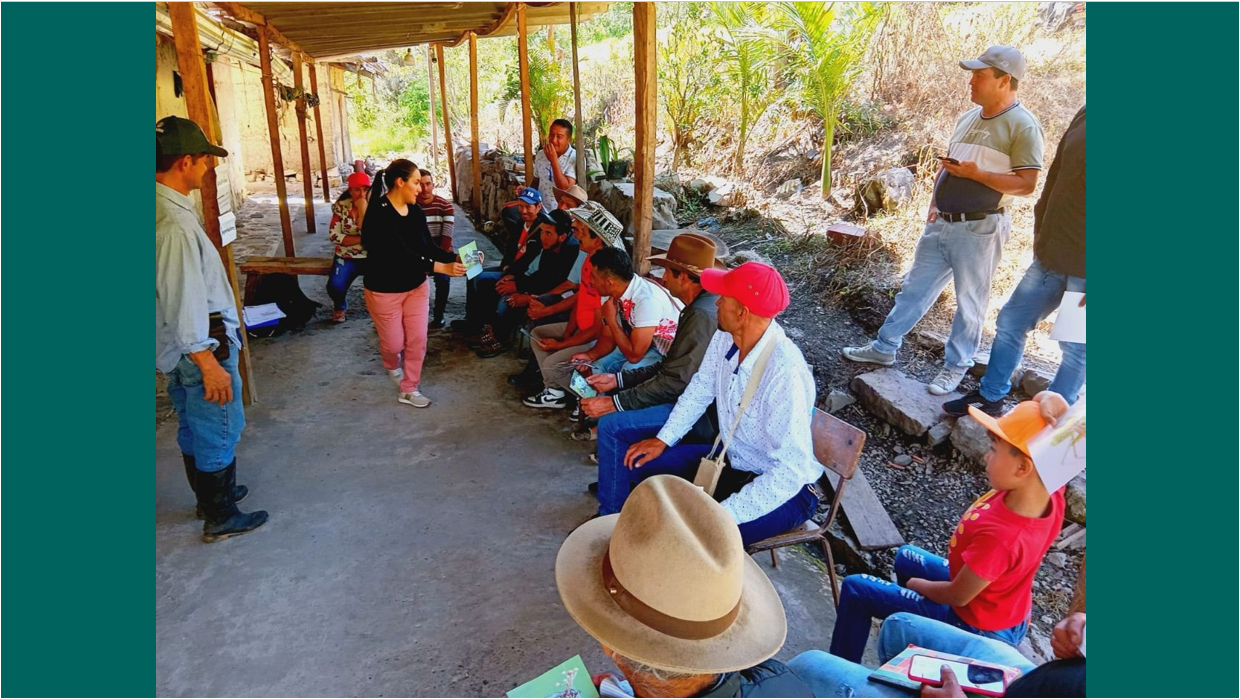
(190, 282)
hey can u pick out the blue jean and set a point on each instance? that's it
(209, 432)
(442, 286)
(344, 271)
(831, 676)
(1036, 297)
(615, 362)
(966, 253)
(481, 298)
(618, 431)
(865, 597)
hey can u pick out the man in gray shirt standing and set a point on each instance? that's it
(197, 332)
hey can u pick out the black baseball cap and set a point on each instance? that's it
(177, 136)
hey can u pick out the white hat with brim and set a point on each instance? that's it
(755, 635)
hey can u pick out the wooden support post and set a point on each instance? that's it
(447, 127)
(475, 153)
(193, 72)
(273, 128)
(430, 87)
(318, 128)
(646, 107)
(582, 175)
(307, 175)
(523, 62)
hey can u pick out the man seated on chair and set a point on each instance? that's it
(666, 589)
(767, 485)
(543, 275)
(640, 400)
(480, 294)
(985, 585)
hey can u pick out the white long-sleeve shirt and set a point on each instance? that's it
(773, 438)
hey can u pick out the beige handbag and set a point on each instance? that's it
(711, 466)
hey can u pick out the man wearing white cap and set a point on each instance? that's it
(667, 590)
(995, 154)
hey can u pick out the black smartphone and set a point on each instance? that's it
(946, 159)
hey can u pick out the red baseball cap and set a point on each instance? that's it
(359, 179)
(756, 286)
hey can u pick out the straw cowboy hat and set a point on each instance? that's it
(575, 192)
(690, 253)
(667, 583)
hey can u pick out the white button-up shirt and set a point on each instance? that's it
(773, 438)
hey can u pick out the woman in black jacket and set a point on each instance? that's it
(400, 255)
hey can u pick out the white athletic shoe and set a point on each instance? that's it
(947, 381)
(416, 399)
(868, 355)
(549, 398)
(396, 375)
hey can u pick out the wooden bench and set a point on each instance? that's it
(255, 267)
(837, 446)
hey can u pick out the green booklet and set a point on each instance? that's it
(471, 258)
(569, 679)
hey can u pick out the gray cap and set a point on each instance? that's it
(1005, 58)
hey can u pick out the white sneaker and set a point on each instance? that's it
(869, 355)
(416, 399)
(947, 381)
(549, 398)
(396, 375)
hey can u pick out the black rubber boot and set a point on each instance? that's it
(191, 474)
(223, 519)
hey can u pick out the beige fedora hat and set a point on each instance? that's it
(575, 192)
(667, 583)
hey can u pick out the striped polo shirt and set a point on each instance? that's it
(440, 217)
(1008, 141)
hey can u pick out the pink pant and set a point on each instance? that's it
(400, 320)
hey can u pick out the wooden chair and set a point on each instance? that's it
(837, 446)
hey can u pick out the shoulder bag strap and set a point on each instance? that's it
(750, 389)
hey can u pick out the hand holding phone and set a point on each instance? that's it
(946, 159)
(981, 679)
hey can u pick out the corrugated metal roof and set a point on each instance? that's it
(333, 30)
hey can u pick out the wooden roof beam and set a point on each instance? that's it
(242, 13)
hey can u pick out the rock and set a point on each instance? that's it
(838, 400)
(902, 460)
(788, 188)
(848, 234)
(700, 186)
(939, 433)
(1057, 559)
(1074, 495)
(617, 197)
(900, 400)
(971, 439)
(1034, 382)
(669, 182)
(727, 194)
(931, 340)
(898, 449)
(886, 192)
(710, 222)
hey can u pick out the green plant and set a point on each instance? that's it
(824, 54)
(748, 56)
(551, 86)
(688, 81)
(606, 150)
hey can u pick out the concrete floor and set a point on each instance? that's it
(409, 552)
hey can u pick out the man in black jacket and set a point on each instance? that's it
(522, 242)
(532, 276)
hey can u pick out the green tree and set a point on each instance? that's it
(824, 51)
(748, 55)
(688, 80)
(551, 86)
(415, 105)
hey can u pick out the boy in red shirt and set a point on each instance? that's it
(985, 585)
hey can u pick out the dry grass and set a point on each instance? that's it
(913, 77)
